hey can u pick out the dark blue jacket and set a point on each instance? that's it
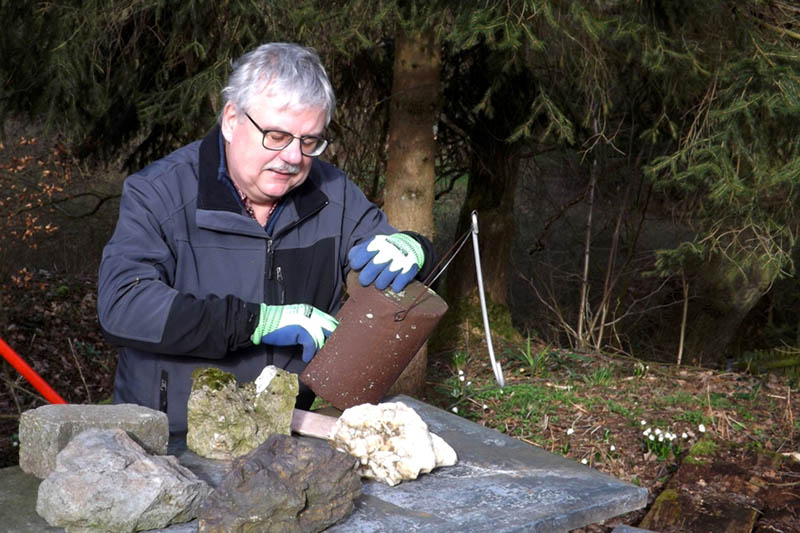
(183, 274)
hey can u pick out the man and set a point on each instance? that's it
(231, 251)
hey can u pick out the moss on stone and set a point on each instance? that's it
(704, 446)
(668, 495)
(213, 378)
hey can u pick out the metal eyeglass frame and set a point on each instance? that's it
(317, 152)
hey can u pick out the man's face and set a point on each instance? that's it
(264, 176)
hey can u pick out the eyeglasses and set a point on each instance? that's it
(277, 140)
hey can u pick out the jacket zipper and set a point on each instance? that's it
(279, 276)
(270, 256)
(162, 391)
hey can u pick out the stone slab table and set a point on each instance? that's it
(499, 484)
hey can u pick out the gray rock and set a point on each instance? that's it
(105, 482)
(226, 420)
(287, 484)
(44, 431)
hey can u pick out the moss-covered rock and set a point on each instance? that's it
(226, 420)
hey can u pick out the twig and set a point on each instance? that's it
(7, 379)
(523, 439)
(791, 484)
(789, 414)
(685, 308)
(587, 243)
(22, 389)
(80, 371)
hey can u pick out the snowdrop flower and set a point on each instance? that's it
(584, 461)
(658, 431)
(651, 437)
(643, 422)
(646, 432)
(461, 378)
(570, 431)
(702, 428)
(660, 438)
(613, 448)
(684, 435)
(455, 410)
(460, 372)
(485, 407)
(469, 383)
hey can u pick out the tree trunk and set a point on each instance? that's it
(726, 292)
(493, 179)
(410, 173)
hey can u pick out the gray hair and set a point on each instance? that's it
(292, 72)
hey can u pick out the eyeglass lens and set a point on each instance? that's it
(277, 140)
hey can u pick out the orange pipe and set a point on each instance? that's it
(30, 374)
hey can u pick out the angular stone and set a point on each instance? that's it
(287, 484)
(46, 430)
(104, 481)
(227, 420)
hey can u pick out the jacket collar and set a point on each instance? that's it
(213, 194)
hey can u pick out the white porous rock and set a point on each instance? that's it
(391, 442)
(265, 378)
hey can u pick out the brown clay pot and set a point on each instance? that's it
(379, 333)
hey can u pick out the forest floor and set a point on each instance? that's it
(727, 439)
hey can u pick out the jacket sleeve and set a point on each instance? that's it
(138, 307)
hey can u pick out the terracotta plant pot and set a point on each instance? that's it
(379, 333)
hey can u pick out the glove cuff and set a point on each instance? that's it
(268, 319)
(409, 244)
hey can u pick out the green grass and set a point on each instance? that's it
(602, 377)
(580, 406)
(621, 409)
(680, 398)
(719, 401)
(703, 447)
(693, 418)
(537, 361)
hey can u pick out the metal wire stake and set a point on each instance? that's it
(498, 372)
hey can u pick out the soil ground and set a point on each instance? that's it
(735, 436)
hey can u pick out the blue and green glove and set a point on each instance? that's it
(387, 259)
(287, 325)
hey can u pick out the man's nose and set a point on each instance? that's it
(292, 154)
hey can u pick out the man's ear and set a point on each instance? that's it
(229, 120)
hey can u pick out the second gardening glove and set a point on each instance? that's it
(286, 325)
(387, 259)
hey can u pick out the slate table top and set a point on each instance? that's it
(499, 484)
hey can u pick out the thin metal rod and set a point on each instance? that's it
(498, 372)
